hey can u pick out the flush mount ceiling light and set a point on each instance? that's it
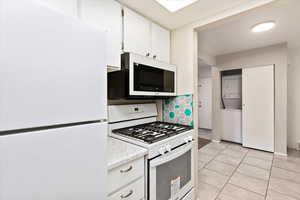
(175, 5)
(264, 26)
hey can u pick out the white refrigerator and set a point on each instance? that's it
(52, 105)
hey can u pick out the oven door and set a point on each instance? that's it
(148, 77)
(170, 175)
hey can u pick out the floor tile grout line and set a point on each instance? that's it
(245, 175)
(227, 182)
(286, 195)
(254, 176)
(248, 190)
(287, 169)
(269, 178)
(213, 157)
(258, 166)
(288, 180)
(218, 171)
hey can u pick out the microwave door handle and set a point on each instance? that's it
(172, 155)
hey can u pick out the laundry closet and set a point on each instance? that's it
(247, 114)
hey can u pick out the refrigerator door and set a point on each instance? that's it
(52, 68)
(60, 164)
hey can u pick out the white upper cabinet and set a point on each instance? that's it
(143, 37)
(160, 42)
(106, 15)
(68, 7)
(137, 33)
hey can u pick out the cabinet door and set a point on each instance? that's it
(160, 42)
(106, 15)
(258, 108)
(137, 35)
(68, 7)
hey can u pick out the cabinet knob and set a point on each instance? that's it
(148, 54)
(154, 56)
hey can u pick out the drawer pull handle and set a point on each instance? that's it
(127, 195)
(126, 170)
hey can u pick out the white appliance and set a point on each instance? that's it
(52, 105)
(232, 125)
(258, 108)
(231, 114)
(142, 77)
(170, 157)
(232, 90)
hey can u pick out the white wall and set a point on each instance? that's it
(294, 97)
(204, 72)
(275, 54)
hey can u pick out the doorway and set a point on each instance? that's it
(204, 102)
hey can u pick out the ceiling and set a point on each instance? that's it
(234, 34)
(189, 14)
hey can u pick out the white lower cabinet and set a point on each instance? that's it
(126, 182)
(134, 191)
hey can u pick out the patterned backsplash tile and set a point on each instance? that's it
(179, 110)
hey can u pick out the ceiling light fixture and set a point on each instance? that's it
(264, 26)
(175, 5)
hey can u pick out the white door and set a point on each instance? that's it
(60, 164)
(106, 15)
(205, 103)
(258, 108)
(137, 33)
(52, 68)
(160, 40)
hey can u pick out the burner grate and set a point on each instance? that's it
(152, 132)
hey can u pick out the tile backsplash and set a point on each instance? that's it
(179, 110)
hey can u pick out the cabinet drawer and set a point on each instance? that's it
(123, 175)
(134, 191)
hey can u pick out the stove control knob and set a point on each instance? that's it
(168, 148)
(162, 151)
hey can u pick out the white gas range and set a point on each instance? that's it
(170, 158)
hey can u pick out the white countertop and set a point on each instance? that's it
(120, 152)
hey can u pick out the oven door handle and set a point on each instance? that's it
(171, 155)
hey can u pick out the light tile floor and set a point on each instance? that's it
(230, 172)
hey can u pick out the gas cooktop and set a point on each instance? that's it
(152, 132)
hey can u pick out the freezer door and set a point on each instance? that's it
(52, 68)
(60, 164)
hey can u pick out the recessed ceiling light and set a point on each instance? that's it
(264, 26)
(175, 5)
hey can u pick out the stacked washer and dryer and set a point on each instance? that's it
(232, 105)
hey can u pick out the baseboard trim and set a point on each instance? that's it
(280, 154)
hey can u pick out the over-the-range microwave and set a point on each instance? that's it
(142, 77)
